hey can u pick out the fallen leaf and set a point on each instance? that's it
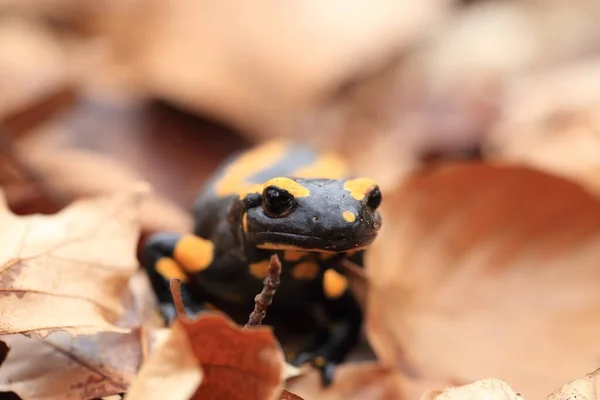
(68, 271)
(172, 371)
(489, 389)
(352, 381)
(551, 121)
(486, 271)
(84, 367)
(67, 172)
(237, 363)
(586, 388)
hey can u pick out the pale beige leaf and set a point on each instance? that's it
(355, 381)
(67, 171)
(552, 122)
(67, 271)
(171, 372)
(586, 388)
(489, 389)
(61, 366)
(483, 271)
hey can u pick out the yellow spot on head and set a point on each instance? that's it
(349, 216)
(169, 269)
(248, 164)
(282, 246)
(193, 253)
(260, 269)
(305, 270)
(293, 187)
(359, 188)
(320, 361)
(293, 255)
(329, 166)
(334, 284)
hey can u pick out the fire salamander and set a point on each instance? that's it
(281, 198)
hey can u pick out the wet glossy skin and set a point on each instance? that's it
(277, 198)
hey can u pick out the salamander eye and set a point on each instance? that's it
(277, 202)
(374, 199)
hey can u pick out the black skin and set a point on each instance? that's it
(274, 217)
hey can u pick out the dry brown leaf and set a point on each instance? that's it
(552, 122)
(68, 171)
(67, 271)
(483, 271)
(586, 388)
(84, 367)
(237, 363)
(171, 372)
(353, 381)
(32, 63)
(489, 389)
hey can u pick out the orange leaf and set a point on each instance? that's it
(353, 381)
(68, 271)
(237, 363)
(485, 271)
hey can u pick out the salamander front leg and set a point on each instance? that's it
(167, 256)
(333, 343)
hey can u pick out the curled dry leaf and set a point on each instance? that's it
(236, 363)
(67, 172)
(489, 389)
(172, 371)
(68, 271)
(552, 122)
(353, 381)
(485, 271)
(62, 366)
(586, 388)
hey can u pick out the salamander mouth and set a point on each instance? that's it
(292, 241)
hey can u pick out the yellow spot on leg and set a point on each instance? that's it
(260, 269)
(349, 216)
(334, 284)
(245, 222)
(359, 188)
(193, 253)
(305, 270)
(169, 269)
(293, 187)
(293, 255)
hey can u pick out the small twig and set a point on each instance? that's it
(265, 298)
(175, 285)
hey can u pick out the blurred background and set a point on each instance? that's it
(94, 94)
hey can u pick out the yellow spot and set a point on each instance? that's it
(282, 246)
(260, 269)
(359, 188)
(326, 256)
(169, 269)
(305, 270)
(329, 166)
(320, 361)
(334, 284)
(232, 297)
(349, 216)
(295, 189)
(245, 222)
(209, 306)
(234, 179)
(193, 253)
(293, 255)
(352, 252)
